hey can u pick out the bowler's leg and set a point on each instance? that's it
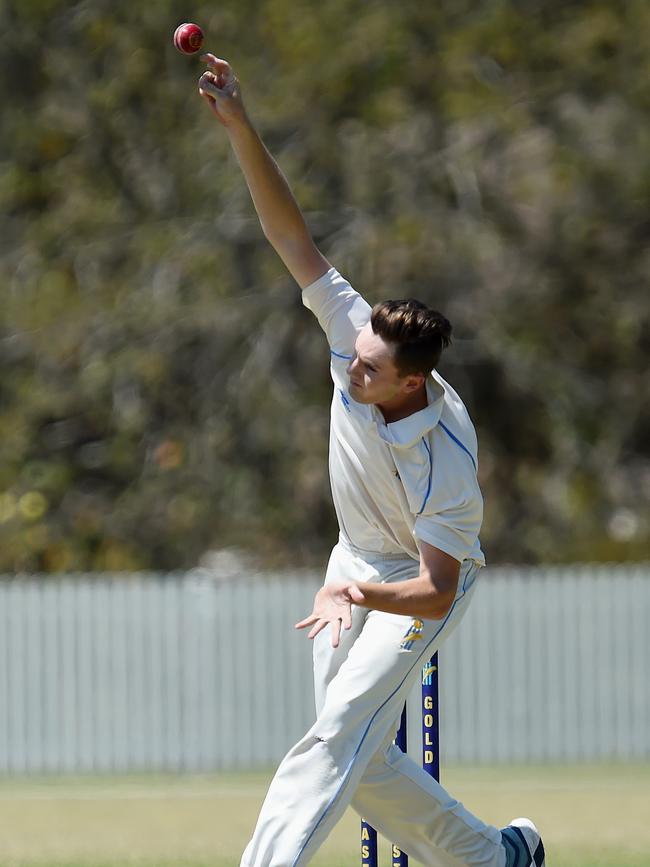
(414, 811)
(317, 779)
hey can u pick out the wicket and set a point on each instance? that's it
(430, 760)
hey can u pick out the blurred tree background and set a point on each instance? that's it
(164, 392)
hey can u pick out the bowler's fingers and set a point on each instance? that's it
(321, 624)
(216, 64)
(222, 71)
(317, 627)
(307, 621)
(208, 85)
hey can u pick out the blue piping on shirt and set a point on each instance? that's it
(338, 355)
(426, 496)
(372, 719)
(458, 443)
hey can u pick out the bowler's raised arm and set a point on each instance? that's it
(280, 216)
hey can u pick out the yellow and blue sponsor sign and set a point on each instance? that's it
(368, 845)
(430, 754)
(430, 718)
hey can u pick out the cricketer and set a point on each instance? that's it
(403, 468)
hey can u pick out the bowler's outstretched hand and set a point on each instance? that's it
(333, 605)
(219, 86)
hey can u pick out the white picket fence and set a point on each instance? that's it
(196, 673)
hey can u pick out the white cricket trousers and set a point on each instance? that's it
(348, 755)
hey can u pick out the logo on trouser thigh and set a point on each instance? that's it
(413, 634)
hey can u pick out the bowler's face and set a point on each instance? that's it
(373, 375)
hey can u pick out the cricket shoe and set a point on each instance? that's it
(523, 844)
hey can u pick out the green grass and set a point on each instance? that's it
(590, 816)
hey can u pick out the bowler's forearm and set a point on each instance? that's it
(416, 597)
(274, 202)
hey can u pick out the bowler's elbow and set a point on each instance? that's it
(440, 604)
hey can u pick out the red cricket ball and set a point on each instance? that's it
(188, 38)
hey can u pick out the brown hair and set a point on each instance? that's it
(417, 333)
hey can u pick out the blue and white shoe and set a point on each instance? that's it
(523, 844)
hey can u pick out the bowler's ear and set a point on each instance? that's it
(413, 382)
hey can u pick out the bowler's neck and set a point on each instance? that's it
(404, 405)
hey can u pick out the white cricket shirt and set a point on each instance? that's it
(393, 484)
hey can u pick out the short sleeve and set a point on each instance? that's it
(454, 530)
(340, 310)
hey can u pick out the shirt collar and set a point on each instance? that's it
(407, 431)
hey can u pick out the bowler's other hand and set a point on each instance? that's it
(219, 87)
(333, 605)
